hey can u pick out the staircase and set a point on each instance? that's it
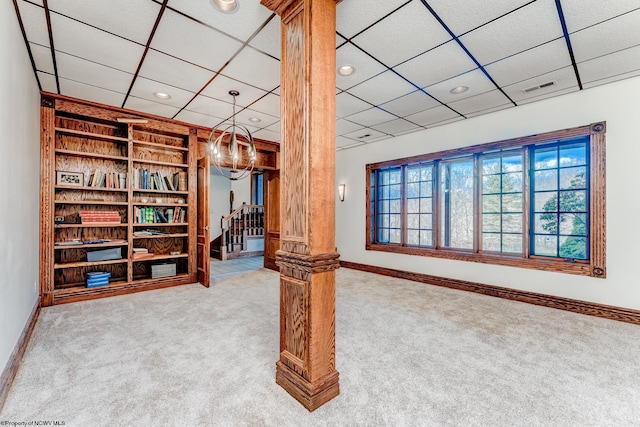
(242, 234)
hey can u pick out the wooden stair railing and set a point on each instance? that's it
(245, 221)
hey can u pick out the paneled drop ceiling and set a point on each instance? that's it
(407, 55)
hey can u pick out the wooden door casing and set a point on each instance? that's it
(272, 218)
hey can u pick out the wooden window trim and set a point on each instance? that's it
(594, 267)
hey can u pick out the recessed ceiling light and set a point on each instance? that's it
(226, 6)
(161, 95)
(346, 70)
(254, 119)
(459, 89)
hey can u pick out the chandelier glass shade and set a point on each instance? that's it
(226, 148)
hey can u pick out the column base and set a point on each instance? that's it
(310, 395)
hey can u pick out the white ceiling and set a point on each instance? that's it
(408, 55)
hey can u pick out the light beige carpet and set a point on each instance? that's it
(408, 354)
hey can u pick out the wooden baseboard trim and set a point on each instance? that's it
(576, 306)
(10, 370)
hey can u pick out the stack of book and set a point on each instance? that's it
(142, 253)
(156, 216)
(102, 179)
(98, 278)
(99, 217)
(146, 180)
(163, 270)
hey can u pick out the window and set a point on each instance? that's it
(533, 202)
(257, 189)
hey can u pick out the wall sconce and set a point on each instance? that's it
(341, 188)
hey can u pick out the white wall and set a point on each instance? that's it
(219, 188)
(19, 183)
(241, 192)
(617, 103)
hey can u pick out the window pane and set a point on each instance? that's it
(426, 205)
(573, 247)
(546, 245)
(426, 173)
(490, 165)
(426, 221)
(491, 242)
(394, 236)
(512, 223)
(546, 202)
(491, 204)
(575, 224)
(573, 178)
(413, 206)
(413, 190)
(573, 155)
(413, 221)
(573, 201)
(425, 189)
(491, 184)
(512, 182)
(457, 204)
(546, 180)
(512, 202)
(512, 163)
(394, 206)
(413, 237)
(546, 223)
(491, 222)
(426, 238)
(512, 243)
(546, 158)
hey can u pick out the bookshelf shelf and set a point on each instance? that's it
(91, 135)
(100, 224)
(91, 155)
(71, 187)
(89, 264)
(161, 236)
(92, 245)
(87, 141)
(159, 163)
(161, 257)
(90, 202)
(156, 146)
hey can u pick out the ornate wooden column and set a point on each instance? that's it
(307, 257)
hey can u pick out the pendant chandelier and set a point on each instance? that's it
(234, 136)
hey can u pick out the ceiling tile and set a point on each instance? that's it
(251, 14)
(150, 107)
(563, 78)
(483, 101)
(244, 66)
(266, 120)
(35, 23)
(464, 15)
(220, 86)
(42, 57)
(186, 39)
(610, 36)
(475, 80)
(269, 104)
(345, 126)
(382, 88)
(274, 127)
(267, 135)
(175, 72)
(490, 110)
(83, 71)
(211, 107)
(365, 67)
(145, 88)
(396, 127)
(197, 118)
(420, 32)
(347, 104)
(95, 94)
(353, 16)
(618, 63)
(71, 37)
(439, 64)
(370, 117)
(579, 14)
(410, 104)
(523, 29)
(432, 115)
(131, 19)
(364, 135)
(268, 39)
(533, 62)
(48, 83)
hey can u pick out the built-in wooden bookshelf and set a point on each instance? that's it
(99, 157)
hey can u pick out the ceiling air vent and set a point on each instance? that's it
(540, 86)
